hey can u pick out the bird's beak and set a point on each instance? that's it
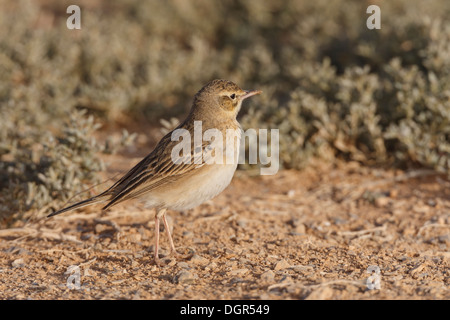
(250, 93)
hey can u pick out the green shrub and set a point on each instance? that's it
(45, 167)
(331, 86)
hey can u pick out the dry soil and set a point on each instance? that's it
(311, 234)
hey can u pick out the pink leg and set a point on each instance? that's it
(156, 240)
(157, 217)
(173, 251)
(172, 246)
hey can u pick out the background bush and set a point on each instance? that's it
(334, 88)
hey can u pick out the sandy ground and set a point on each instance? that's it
(311, 234)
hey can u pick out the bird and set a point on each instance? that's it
(167, 182)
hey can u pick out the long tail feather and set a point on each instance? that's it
(84, 203)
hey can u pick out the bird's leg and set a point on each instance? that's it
(173, 251)
(157, 217)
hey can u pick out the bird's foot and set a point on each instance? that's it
(181, 256)
(157, 261)
(173, 254)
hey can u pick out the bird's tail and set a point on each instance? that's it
(84, 203)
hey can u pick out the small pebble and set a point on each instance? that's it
(212, 266)
(188, 234)
(18, 263)
(381, 202)
(268, 276)
(199, 260)
(242, 223)
(282, 264)
(238, 272)
(183, 265)
(322, 293)
(99, 228)
(393, 193)
(185, 277)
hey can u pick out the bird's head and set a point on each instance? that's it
(223, 96)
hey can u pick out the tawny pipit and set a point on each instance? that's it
(167, 184)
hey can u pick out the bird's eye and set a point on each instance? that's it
(233, 96)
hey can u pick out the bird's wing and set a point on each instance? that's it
(157, 169)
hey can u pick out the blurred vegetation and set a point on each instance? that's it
(332, 87)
